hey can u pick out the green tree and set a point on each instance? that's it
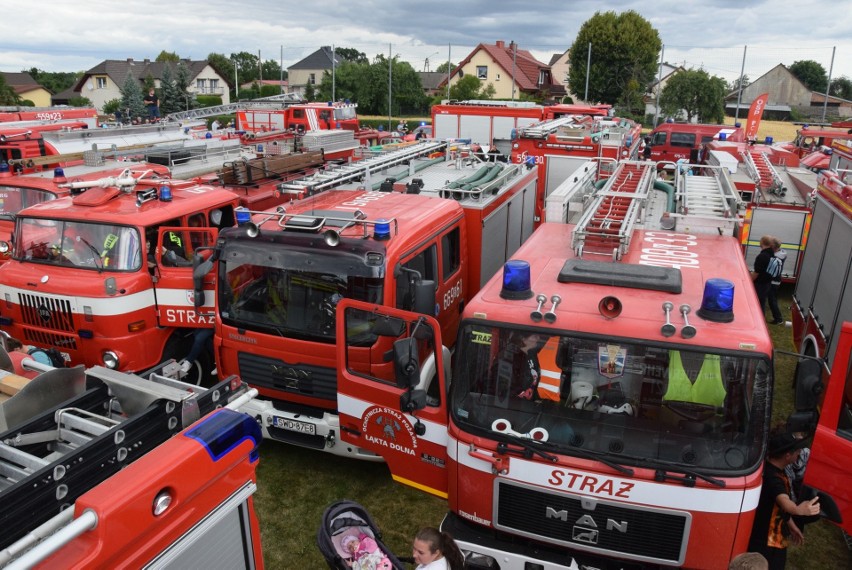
(841, 87)
(735, 84)
(7, 94)
(351, 55)
(468, 87)
(131, 98)
(171, 100)
(223, 66)
(696, 93)
(272, 70)
(247, 69)
(54, 82)
(367, 85)
(182, 93)
(148, 82)
(444, 67)
(811, 73)
(80, 102)
(168, 56)
(625, 48)
(310, 92)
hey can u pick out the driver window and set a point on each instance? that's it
(421, 267)
(844, 423)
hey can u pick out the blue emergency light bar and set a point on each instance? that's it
(516, 280)
(224, 430)
(717, 305)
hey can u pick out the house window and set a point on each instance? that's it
(201, 85)
(312, 79)
(214, 85)
(542, 77)
(101, 82)
(482, 72)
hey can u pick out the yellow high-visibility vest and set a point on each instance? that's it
(707, 389)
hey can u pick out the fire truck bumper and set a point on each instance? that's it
(485, 548)
(316, 431)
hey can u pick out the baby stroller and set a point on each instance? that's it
(344, 519)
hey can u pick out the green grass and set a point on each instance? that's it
(295, 485)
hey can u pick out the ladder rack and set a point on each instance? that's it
(59, 453)
(273, 102)
(544, 128)
(608, 223)
(337, 175)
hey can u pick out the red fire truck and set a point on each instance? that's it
(103, 469)
(305, 117)
(559, 145)
(598, 447)
(822, 330)
(104, 275)
(490, 122)
(418, 229)
(89, 115)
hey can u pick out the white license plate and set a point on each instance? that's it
(294, 425)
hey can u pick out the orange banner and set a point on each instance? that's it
(755, 112)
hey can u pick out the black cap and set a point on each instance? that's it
(785, 442)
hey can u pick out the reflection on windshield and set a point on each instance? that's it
(631, 403)
(14, 199)
(295, 302)
(104, 247)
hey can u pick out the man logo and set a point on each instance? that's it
(585, 528)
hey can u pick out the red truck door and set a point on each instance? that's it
(396, 408)
(828, 466)
(171, 264)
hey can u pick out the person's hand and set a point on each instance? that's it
(796, 535)
(526, 394)
(809, 508)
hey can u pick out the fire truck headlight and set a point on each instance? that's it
(4, 247)
(475, 560)
(110, 360)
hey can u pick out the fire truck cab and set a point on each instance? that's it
(570, 431)
(104, 275)
(671, 142)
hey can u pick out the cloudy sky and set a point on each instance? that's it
(62, 35)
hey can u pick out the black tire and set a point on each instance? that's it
(199, 373)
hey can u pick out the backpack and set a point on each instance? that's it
(774, 267)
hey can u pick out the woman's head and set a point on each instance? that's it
(427, 546)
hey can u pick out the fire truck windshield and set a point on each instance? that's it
(13, 199)
(345, 113)
(101, 247)
(633, 403)
(294, 292)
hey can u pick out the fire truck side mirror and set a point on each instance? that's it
(424, 297)
(808, 384)
(199, 271)
(406, 362)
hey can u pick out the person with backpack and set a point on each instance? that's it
(760, 275)
(775, 270)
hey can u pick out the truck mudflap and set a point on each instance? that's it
(319, 431)
(486, 548)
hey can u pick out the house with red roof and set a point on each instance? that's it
(510, 70)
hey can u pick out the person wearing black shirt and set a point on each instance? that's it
(773, 523)
(761, 277)
(153, 103)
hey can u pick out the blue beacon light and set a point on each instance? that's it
(516, 280)
(717, 305)
(243, 215)
(382, 229)
(165, 193)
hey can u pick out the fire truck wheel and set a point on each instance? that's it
(200, 370)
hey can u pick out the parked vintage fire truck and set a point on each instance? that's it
(417, 228)
(103, 469)
(599, 447)
(494, 122)
(104, 275)
(306, 117)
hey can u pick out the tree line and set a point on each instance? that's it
(625, 57)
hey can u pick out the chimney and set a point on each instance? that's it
(129, 60)
(147, 60)
(501, 44)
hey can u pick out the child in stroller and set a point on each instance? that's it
(349, 540)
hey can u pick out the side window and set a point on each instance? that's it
(421, 266)
(450, 253)
(482, 72)
(659, 138)
(683, 139)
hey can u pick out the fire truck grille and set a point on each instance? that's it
(592, 524)
(264, 372)
(46, 312)
(44, 338)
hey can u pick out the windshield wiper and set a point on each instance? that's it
(95, 254)
(585, 454)
(690, 475)
(529, 448)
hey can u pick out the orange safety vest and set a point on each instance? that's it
(551, 374)
(707, 389)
